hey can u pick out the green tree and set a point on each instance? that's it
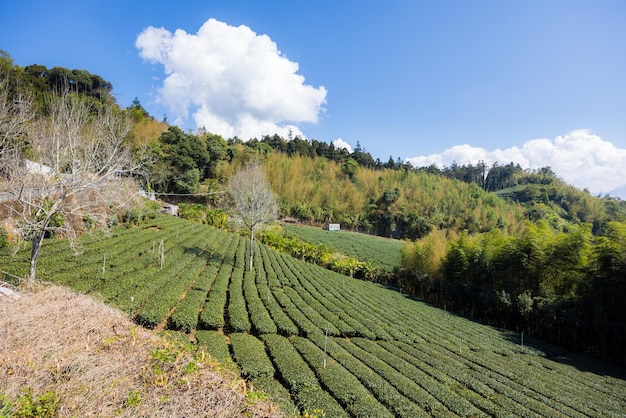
(349, 168)
(186, 157)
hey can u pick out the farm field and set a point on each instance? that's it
(319, 340)
(382, 252)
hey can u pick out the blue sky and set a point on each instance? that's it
(535, 82)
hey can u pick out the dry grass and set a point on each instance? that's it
(100, 364)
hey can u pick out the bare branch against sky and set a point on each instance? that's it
(76, 166)
(254, 204)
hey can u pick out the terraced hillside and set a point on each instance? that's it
(382, 252)
(320, 340)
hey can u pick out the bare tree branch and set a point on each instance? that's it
(79, 165)
(254, 203)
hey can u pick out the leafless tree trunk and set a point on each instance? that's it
(254, 203)
(78, 165)
(15, 113)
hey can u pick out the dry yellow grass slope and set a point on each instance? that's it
(92, 361)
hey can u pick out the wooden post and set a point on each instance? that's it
(325, 340)
(162, 254)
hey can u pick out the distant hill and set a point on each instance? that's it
(619, 192)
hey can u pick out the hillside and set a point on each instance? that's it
(320, 340)
(509, 247)
(92, 361)
(384, 253)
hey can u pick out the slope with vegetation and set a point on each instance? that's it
(92, 361)
(383, 253)
(319, 340)
(514, 248)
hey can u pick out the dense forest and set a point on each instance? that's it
(515, 248)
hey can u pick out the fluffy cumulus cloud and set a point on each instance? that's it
(340, 143)
(230, 80)
(579, 157)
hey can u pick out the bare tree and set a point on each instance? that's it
(16, 110)
(254, 203)
(75, 164)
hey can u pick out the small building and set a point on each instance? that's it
(334, 227)
(169, 209)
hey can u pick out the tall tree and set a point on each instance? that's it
(254, 203)
(74, 165)
(16, 110)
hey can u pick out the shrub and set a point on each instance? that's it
(344, 385)
(259, 316)
(237, 311)
(185, 317)
(215, 344)
(27, 405)
(212, 315)
(4, 237)
(299, 378)
(250, 356)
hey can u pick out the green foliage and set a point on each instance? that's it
(349, 168)
(250, 355)
(237, 311)
(203, 214)
(42, 81)
(386, 353)
(259, 316)
(299, 377)
(185, 317)
(187, 181)
(381, 252)
(146, 209)
(4, 237)
(184, 158)
(133, 399)
(382, 389)
(29, 405)
(322, 254)
(388, 202)
(340, 382)
(546, 274)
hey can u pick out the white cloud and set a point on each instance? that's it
(340, 143)
(579, 157)
(232, 81)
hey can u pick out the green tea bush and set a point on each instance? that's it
(212, 316)
(409, 388)
(215, 344)
(237, 311)
(185, 317)
(260, 318)
(250, 355)
(299, 378)
(384, 391)
(340, 382)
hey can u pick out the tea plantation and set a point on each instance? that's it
(319, 340)
(382, 252)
